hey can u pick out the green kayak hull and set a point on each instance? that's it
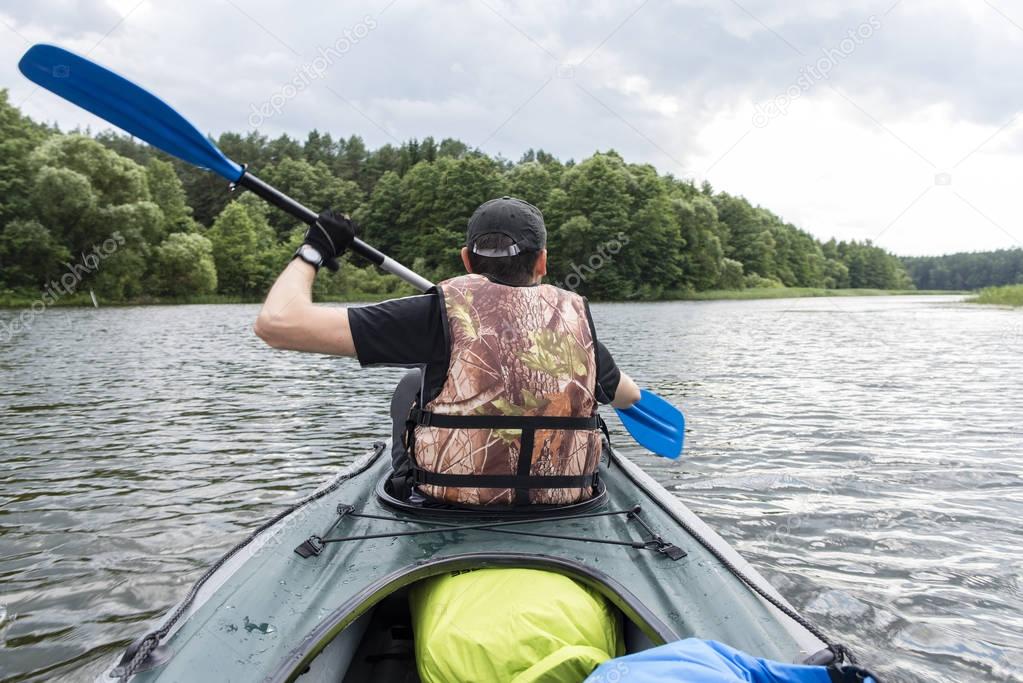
(268, 613)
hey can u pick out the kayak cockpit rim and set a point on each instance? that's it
(333, 624)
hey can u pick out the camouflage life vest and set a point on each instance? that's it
(515, 421)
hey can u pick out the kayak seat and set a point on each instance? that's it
(386, 651)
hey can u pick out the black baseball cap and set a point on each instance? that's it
(520, 221)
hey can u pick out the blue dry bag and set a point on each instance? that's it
(706, 661)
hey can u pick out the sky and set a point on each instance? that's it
(895, 121)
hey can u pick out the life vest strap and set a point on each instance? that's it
(426, 418)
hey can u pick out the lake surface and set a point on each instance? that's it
(866, 454)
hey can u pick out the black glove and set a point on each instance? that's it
(331, 235)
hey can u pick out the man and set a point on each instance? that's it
(506, 365)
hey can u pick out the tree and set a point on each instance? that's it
(282, 148)
(168, 194)
(701, 253)
(114, 179)
(380, 216)
(98, 206)
(530, 181)
(973, 270)
(29, 254)
(319, 148)
(615, 230)
(126, 234)
(730, 275)
(63, 199)
(184, 265)
(313, 185)
(18, 137)
(597, 190)
(449, 147)
(350, 159)
(242, 239)
(836, 274)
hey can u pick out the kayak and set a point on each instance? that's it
(320, 592)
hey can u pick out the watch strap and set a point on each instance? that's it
(301, 253)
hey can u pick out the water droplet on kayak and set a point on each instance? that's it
(283, 582)
(263, 627)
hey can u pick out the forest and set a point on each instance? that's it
(101, 212)
(971, 270)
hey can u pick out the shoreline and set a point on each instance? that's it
(80, 300)
(801, 293)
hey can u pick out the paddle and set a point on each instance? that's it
(147, 117)
(653, 422)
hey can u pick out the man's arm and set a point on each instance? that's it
(289, 319)
(626, 394)
(613, 385)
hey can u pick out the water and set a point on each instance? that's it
(863, 453)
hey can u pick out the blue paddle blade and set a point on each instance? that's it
(655, 424)
(124, 104)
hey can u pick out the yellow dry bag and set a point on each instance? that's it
(511, 626)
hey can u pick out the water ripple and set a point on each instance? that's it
(863, 453)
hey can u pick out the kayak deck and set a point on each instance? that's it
(267, 612)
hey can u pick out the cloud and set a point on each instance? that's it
(676, 84)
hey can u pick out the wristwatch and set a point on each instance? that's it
(310, 255)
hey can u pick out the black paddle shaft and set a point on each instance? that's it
(289, 205)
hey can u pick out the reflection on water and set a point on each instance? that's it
(863, 453)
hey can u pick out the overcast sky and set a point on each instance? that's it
(891, 121)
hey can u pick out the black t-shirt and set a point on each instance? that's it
(409, 332)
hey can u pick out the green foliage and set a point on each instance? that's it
(168, 194)
(29, 254)
(62, 198)
(870, 266)
(114, 179)
(754, 281)
(1007, 295)
(184, 265)
(18, 137)
(615, 230)
(313, 185)
(703, 263)
(243, 246)
(380, 216)
(967, 270)
(730, 276)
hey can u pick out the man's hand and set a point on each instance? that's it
(331, 235)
